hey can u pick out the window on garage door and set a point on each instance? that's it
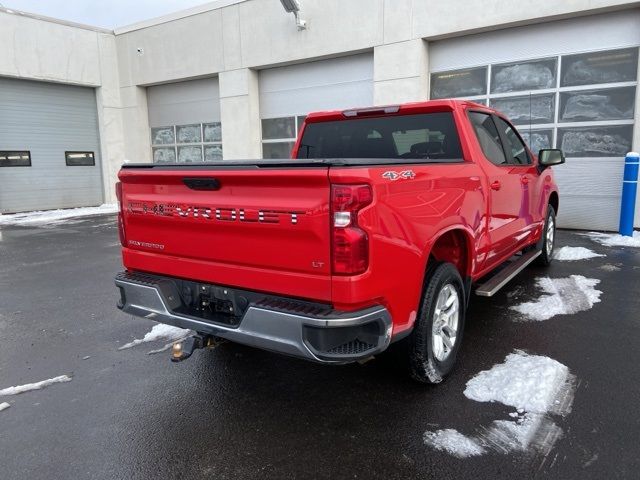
(15, 158)
(582, 103)
(191, 143)
(279, 135)
(79, 159)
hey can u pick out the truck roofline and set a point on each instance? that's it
(409, 108)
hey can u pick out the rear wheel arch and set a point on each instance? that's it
(454, 246)
(554, 201)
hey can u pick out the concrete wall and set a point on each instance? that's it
(41, 49)
(233, 39)
(256, 34)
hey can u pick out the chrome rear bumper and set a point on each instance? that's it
(275, 324)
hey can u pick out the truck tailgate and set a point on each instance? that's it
(258, 229)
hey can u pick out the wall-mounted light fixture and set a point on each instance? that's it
(293, 6)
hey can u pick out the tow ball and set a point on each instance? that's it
(184, 348)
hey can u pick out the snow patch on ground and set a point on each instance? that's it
(532, 432)
(571, 254)
(56, 216)
(4, 406)
(531, 383)
(562, 296)
(160, 332)
(454, 443)
(536, 386)
(615, 239)
(34, 386)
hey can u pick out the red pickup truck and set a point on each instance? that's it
(377, 230)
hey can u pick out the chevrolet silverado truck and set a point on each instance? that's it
(377, 230)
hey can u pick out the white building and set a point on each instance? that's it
(234, 78)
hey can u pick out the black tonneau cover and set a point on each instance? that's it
(288, 163)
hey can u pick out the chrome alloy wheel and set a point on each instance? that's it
(550, 235)
(445, 322)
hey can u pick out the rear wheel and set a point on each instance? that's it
(547, 243)
(437, 334)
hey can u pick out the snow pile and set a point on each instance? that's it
(615, 239)
(4, 406)
(454, 443)
(34, 386)
(570, 254)
(562, 296)
(607, 267)
(160, 332)
(527, 382)
(536, 386)
(56, 216)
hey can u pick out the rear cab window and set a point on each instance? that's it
(427, 136)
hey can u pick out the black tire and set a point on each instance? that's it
(546, 243)
(426, 363)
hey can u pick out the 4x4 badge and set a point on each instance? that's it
(391, 175)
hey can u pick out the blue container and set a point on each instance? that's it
(629, 192)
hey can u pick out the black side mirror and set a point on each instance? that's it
(550, 156)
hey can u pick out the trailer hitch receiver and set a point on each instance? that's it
(184, 348)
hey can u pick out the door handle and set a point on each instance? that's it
(524, 180)
(496, 185)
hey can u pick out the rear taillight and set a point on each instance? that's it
(121, 232)
(350, 244)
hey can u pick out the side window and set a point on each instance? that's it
(514, 146)
(488, 137)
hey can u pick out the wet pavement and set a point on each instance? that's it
(235, 412)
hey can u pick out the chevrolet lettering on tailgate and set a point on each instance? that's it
(224, 214)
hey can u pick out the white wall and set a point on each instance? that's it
(258, 34)
(234, 39)
(40, 49)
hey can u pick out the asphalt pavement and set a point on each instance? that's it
(236, 412)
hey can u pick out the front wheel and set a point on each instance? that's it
(548, 238)
(437, 334)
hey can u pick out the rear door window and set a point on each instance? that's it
(514, 146)
(488, 137)
(429, 137)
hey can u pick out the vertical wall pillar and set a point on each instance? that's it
(109, 116)
(240, 114)
(122, 117)
(135, 121)
(401, 72)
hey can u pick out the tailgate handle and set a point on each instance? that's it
(202, 183)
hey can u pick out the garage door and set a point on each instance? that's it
(185, 121)
(49, 146)
(288, 93)
(570, 84)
